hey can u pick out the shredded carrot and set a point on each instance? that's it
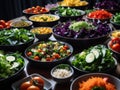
(96, 81)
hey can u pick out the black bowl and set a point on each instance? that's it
(79, 71)
(8, 81)
(65, 79)
(45, 24)
(112, 79)
(42, 37)
(82, 43)
(13, 48)
(47, 64)
(84, 7)
(66, 18)
(26, 27)
(116, 26)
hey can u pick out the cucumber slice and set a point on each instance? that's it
(10, 58)
(90, 58)
(96, 52)
(15, 65)
(103, 52)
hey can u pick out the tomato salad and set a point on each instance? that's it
(48, 51)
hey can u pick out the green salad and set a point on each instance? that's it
(15, 36)
(95, 59)
(10, 63)
(68, 11)
(116, 18)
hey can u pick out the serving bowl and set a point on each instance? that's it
(94, 59)
(81, 39)
(62, 73)
(82, 5)
(110, 79)
(42, 33)
(47, 20)
(12, 66)
(108, 5)
(47, 54)
(22, 24)
(99, 15)
(115, 20)
(47, 83)
(15, 39)
(34, 11)
(69, 13)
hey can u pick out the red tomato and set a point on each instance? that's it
(1, 27)
(36, 58)
(116, 47)
(33, 87)
(38, 81)
(25, 85)
(29, 53)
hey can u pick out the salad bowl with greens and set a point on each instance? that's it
(11, 65)
(48, 53)
(15, 39)
(69, 13)
(94, 59)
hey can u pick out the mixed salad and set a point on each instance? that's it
(15, 36)
(82, 29)
(10, 63)
(95, 59)
(48, 51)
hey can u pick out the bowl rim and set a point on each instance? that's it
(67, 65)
(57, 18)
(111, 21)
(42, 27)
(72, 57)
(95, 74)
(17, 71)
(70, 46)
(30, 23)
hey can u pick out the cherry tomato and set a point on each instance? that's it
(25, 85)
(33, 87)
(1, 27)
(116, 47)
(36, 58)
(29, 53)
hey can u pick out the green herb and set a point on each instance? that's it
(15, 36)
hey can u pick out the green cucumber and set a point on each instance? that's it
(90, 58)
